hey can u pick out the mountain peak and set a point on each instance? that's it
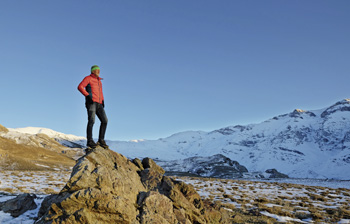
(299, 110)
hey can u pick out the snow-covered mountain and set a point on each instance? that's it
(20, 134)
(49, 132)
(301, 144)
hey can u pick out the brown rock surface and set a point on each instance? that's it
(106, 187)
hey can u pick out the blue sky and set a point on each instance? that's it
(171, 66)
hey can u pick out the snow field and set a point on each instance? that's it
(37, 182)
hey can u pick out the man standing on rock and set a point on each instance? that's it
(91, 88)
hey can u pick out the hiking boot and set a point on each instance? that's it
(102, 143)
(91, 144)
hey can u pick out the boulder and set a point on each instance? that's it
(106, 187)
(19, 205)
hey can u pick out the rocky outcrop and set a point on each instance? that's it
(106, 187)
(343, 105)
(273, 173)
(298, 113)
(218, 166)
(19, 205)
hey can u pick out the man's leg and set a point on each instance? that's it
(91, 110)
(101, 114)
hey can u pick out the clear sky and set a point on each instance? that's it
(171, 66)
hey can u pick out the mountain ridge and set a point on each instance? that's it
(302, 143)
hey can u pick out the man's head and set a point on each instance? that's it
(95, 70)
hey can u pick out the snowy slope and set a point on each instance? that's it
(301, 144)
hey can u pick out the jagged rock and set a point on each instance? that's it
(152, 174)
(184, 196)
(19, 205)
(51, 199)
(151, 178)
(138, 163)
(149, 163)
(298, 113)
(106, 187)
(157, 208)
(275, 174)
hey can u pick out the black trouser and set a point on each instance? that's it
(96, 109)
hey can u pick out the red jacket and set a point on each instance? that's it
(92, 85)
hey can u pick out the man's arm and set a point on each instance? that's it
(83, 84)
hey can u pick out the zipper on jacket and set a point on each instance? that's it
(99, 91)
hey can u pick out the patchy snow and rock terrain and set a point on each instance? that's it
(283, 201)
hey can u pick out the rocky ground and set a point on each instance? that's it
(262, 202)
(285, 202)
